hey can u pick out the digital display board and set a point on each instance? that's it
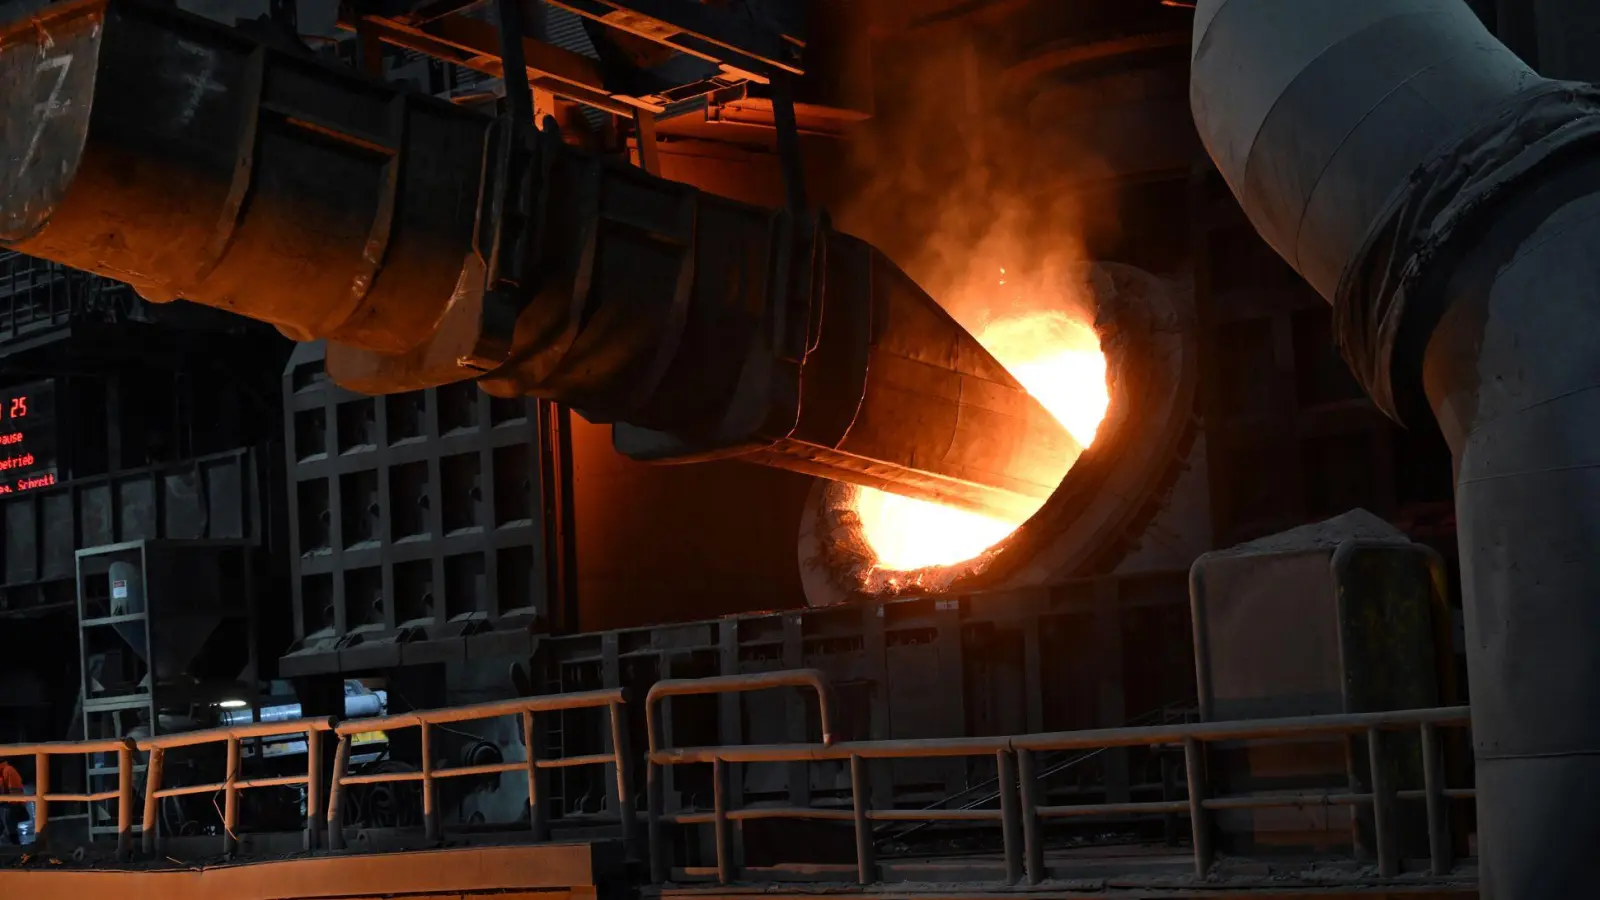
(27, 437)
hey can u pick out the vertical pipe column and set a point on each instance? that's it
(1444, 198)
(1510, 371)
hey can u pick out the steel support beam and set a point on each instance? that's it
(475, 44)
(698, 30)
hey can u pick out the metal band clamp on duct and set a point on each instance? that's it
(1447, 201)
(428, 244)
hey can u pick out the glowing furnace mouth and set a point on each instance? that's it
(1057, 357)
(1141, 351)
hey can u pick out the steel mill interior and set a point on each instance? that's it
(1074, 448)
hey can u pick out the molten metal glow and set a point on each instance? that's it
(1058, 359)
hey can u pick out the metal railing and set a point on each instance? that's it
(234, 736)
(41, 798)
(655, 783)
(37, 296)
(1021, 815)
(535, 767)
(1162, 715)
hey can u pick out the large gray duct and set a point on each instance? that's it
(1446, 200)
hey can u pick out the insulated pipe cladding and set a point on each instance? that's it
(1446, 200)
(428, 244)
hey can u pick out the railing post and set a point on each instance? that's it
(1439, 849)
(727, 865)
(1199, 820)
(624, 773)
(1382, 820)
(41, 806)
(1032, 836)
(861, 803)
(430, 800)
(152, 803)
(124, 803)
(341, 762)
(537, 819)
(313, 786)
(655, 800)
(1010, 815)
(230, 800)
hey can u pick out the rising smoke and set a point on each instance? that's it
(950, 183)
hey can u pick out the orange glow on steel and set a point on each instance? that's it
(1058, 359)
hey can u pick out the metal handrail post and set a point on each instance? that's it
(624, 775)
(41, 805)
(341, 762)
(538, 821)
(313, 787)
(1382, 807)
(430, 798)
(727, 865)
(1199, 819)
(1032, 828)
(152, 803)
(861, 806)
(124, 803)
(1439, 849)
(230, 799)
(1010, 815)
(655, 801)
